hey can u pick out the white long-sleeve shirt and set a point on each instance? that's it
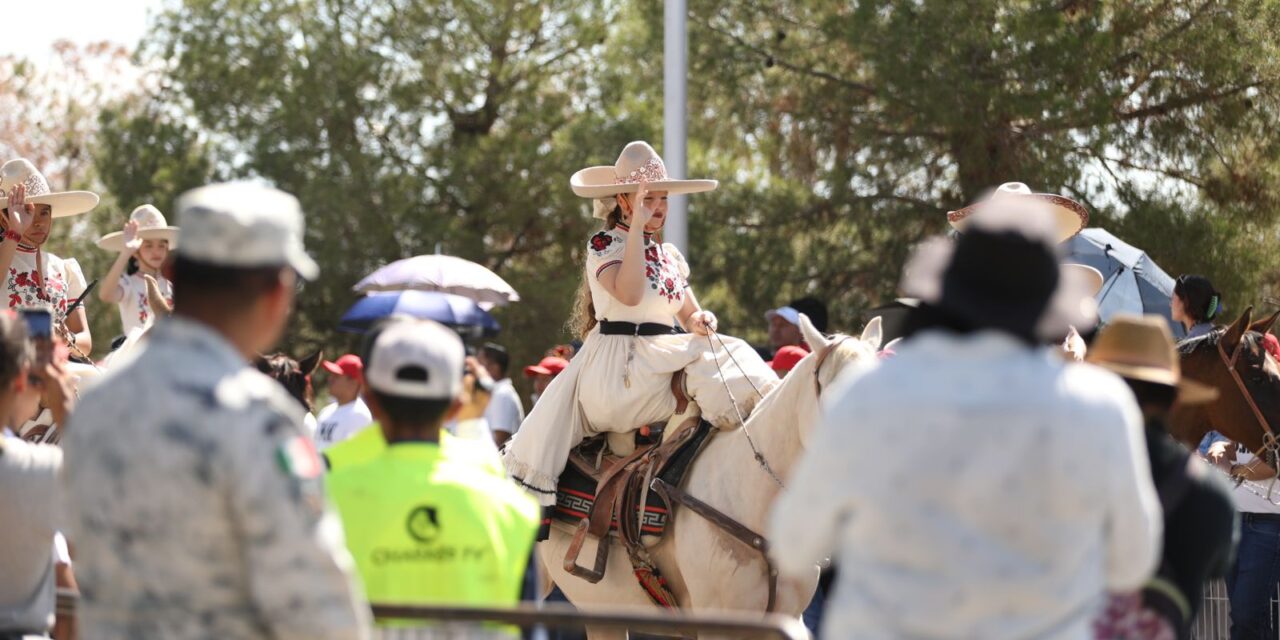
(972, 487)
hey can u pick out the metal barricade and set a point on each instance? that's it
(453, 622)
(1214, 620)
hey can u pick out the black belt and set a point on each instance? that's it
(1249, 516)
(632, 329)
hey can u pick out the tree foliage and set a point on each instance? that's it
(863, 122)
(841, 133)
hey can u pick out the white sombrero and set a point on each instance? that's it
(1091, 278)
(1071, 216)
(151, 226)
(64, 203)
(637, 163)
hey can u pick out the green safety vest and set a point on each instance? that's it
(427, 525)
(369, 443)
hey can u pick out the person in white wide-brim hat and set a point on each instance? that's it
(142, 246)
(34, 277)
(635, 291)
(1069, 217)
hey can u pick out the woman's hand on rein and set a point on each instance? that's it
(703, 323)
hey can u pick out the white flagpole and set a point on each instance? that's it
(674, 147)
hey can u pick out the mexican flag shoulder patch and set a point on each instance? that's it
(298, 457)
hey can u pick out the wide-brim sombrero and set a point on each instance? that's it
(637, 164)
(1070, 216)
(151, 226)
(63, 203)
(1091, 278)
(115, 241)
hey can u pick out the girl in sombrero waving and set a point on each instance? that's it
(635, 292)
(142, 247)
(32, 276)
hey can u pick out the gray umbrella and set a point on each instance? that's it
(1132, 282)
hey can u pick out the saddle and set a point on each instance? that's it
(631, 496)
(610, 497)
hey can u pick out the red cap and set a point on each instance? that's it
(787, 358)
(348, 365)
(549, 366)
(1272, 345)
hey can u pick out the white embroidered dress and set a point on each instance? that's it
(62, 279)
(135, 306)
(620, 382)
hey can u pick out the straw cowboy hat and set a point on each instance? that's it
(1005, 273)
(1141, 348)
(64, 203)
(1071, 216)
(637, 163)
(151, 226)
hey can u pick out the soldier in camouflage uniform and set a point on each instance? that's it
(196, 506)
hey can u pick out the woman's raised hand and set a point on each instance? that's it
(132, 242)
(640, 214)
(20, 214)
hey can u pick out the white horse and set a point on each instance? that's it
(707, 569)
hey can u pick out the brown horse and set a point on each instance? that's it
(1256, 383)
(293, 375)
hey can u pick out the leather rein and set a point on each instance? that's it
(1270, 449)
(728, 524)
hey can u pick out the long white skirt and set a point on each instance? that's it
(609, 387)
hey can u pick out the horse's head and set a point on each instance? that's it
(831, 356)
(293, 375)
(1211, 360)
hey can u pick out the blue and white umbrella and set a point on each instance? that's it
(448, 274)
(456, 311)
(1131, 281)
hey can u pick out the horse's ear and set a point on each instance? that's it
(811, 334)
(309, 363)
(873, 333)
(1235, 333)
(1264, 325)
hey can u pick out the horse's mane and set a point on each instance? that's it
(1213, 338)
(291, 375)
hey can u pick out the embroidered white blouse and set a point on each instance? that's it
(63, 281)
(972, 488)
(135, 306)
(666, 278)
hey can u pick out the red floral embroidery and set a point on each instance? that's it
(22, 280)
(664, 277)
(601, 241)
(15, 300)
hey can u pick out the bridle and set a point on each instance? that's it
(822, 358)
(1270, 449)
(817, 384)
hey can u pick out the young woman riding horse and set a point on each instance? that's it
(635, 288)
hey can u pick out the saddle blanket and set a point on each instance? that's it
(576, 493)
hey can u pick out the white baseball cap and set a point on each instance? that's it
(245, 225)
(419, 359)
(789, 314)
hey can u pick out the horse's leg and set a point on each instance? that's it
(618, 588)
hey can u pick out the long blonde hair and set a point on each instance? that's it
(583, 319)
